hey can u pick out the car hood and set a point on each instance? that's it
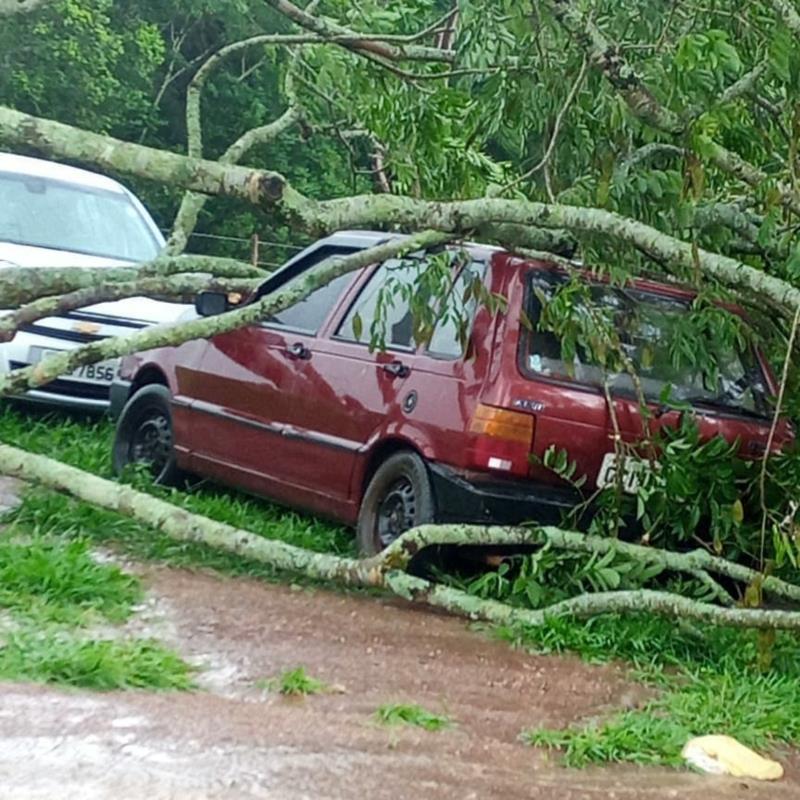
(137, 309)
(23, 255)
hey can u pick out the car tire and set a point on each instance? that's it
(145, 436)
(399, 497)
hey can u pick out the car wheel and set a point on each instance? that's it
(144, 435)
(398, 497)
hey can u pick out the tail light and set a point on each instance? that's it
(503, 439)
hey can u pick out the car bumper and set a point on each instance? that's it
(118, 395)
(479, 498)
(65, 392)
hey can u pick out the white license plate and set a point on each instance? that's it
(103, 372)
(633, 469)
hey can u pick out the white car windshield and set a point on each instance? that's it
(39, 212)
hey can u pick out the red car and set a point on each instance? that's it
(300, 409)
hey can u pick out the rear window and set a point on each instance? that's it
(39, 212)
(646, 324)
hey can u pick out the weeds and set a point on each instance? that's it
(61, 658)
(293, 683)
(60, 582)
(411, 714)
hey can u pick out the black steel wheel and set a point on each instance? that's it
(399, 497)
(144, 435)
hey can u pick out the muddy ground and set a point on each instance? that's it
(231, 739)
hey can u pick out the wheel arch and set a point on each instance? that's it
(147, 375)
(378, 453)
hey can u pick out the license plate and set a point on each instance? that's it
(633, 469)
(102, 372)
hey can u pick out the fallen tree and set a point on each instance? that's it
(273, 193)
(387, 570)
(657, 130)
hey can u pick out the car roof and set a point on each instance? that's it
(41, 168)
(363, 239)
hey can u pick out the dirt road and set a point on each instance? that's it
(233, 740)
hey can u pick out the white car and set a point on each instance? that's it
(52, 215)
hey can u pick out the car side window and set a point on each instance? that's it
(456, 315)
(309, 314)
(393, 313)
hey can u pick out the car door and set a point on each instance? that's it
(351, 395)
(244, 398)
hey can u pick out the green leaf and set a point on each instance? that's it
(358, 326)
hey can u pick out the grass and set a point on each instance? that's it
(294, 683)
(53, 590)
(59, 581)
(759, 711)
(704, 679)
(52, 587)
(411, 714)
(61, 658)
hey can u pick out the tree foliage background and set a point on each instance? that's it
(123, 68)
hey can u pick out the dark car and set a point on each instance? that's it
(302, 410)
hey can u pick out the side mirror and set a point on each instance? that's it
(209, 304)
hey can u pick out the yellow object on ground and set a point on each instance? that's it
(723, 755)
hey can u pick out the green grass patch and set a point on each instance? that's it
(411, 714)
(760, 711)
(705, 680)
(293, 683)
(59, 581)
(52, 586)
(61, 658)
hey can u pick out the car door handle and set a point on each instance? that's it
(397, 369)
(298, 350)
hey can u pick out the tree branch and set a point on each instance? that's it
(644, 154)
(399, 554)
(20, 285)
(366, 43)
(177, 288)
(788, 14)
(21, 380)
(192, 203)
(607, 58)
(184, 526)
(745, 85)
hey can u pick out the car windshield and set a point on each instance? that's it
(646, 323)
(39, 212)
